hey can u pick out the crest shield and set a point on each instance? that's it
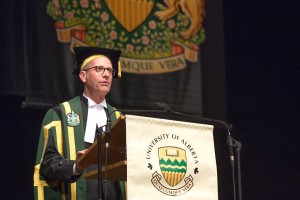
(73, 119)
(130, 13)
(172, 163)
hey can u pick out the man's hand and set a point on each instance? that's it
(79, 167)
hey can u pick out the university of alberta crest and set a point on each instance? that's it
(173, 166)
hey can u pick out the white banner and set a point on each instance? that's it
(169, 159)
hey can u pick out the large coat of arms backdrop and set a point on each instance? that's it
(155, 36)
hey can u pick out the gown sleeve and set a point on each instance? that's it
(54, 167)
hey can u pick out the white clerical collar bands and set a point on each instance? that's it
(92, 103)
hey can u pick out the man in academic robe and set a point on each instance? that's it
(70, 128)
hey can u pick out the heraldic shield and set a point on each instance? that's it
(122, 11)
(172, 162)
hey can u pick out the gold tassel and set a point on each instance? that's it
(119, 70)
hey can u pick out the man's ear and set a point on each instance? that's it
(82, 76)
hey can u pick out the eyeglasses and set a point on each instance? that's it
(101, 70)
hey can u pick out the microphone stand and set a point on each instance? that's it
(231, 155)
(238, 152)
(107, 134)
(238, 146)
(232, 143)
(99, 132)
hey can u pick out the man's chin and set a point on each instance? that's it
(105, 91)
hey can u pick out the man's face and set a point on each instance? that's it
(97, 83)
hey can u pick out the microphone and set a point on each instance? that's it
(162, 106)
(108, 127)
(230, 143)
(165, 107)
(128, 111)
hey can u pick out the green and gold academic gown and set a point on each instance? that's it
(61, 137)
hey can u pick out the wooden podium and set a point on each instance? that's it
(116, 161)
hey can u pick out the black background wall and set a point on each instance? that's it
(263, 89)
(262, 52)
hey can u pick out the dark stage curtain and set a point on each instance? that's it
(35, 64)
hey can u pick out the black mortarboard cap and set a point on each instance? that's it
(82, 53)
